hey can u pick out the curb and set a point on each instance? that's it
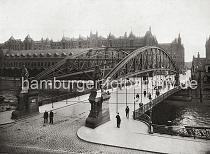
(21, 119)
(117, 146)
(2, 124)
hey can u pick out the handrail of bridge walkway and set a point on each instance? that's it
(146, 107)
(184, 131)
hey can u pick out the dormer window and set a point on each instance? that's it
(56, 54)
(63, 54)
(23, 55)
(29, 54)
(49, 54)
(35, 55)
(42, 54)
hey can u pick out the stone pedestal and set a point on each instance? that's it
(27, 104)
(99, 113)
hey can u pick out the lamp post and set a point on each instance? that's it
(200, 81)
(126, 92)
(134, 104)
(141, 89)
(117, 99)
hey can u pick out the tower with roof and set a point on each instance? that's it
(28, 43)
(208, 48)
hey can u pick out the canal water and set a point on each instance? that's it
(181, 114)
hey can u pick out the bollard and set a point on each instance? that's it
(151, 129)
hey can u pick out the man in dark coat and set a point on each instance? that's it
(137, 96)
(118, 120)
(45, 117)
(51, 117)
(145, 93)
(149, 96)
(157, 92)
(127, 111)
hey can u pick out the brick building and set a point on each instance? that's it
(38, 55)
(200, 72)
(176, 51)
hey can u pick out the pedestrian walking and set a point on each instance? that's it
(51, 117)
(157, 92)
(108, 93)
(127, 112)
(168, 86)
(118, 120)
(137, 95)
(149, 96)
(145, 93)
(45, 117)
(140, 104)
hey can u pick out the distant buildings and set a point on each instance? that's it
(176, 51)
(39, 55)
(202, 64)
(92, 41)
(208, 48)
(200, 72)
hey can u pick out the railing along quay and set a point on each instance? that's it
(184, 131)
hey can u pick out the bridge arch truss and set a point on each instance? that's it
(142, 60)
(82, 65)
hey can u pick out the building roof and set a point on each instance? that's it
(11, 38)
(43, 53)
(199, 63)
(66, 38)
(165, 45)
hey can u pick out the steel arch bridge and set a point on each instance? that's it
(114, 63)
(82, 65)
(143, 60)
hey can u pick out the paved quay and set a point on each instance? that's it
(30, 135)
(134, 134)
(5, 117)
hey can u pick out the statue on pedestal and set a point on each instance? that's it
(99, 112)
(24, 73)
(27, 100)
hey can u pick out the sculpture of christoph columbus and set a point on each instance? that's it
(97, 76)
(24, 73)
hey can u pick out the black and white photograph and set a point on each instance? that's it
(104, 76)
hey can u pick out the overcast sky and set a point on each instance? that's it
(53, 18)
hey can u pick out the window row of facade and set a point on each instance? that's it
(33, 64)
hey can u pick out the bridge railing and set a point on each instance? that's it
(62, 97)
(144, 108)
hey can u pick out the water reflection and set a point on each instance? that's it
(181, 114)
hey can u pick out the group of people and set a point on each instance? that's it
(46, 115)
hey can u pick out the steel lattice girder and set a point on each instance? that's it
(142, 60)
(114, 63)
(85, 63)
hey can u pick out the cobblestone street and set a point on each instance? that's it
(31, 136)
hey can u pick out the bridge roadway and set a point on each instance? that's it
(118, 98)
